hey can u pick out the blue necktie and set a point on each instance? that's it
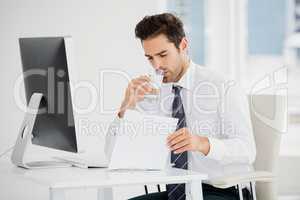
(177, 191)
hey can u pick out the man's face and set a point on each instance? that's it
(163, 55)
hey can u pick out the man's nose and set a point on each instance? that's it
(157, 64)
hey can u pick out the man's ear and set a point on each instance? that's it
(183, 46)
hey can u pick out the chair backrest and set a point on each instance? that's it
(269, 121)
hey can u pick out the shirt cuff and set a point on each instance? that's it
(217, 149)
(114, 126)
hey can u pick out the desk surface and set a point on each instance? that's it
(76, 177)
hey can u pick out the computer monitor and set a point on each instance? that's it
(46, 80)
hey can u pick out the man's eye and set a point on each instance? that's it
(163, 55)
(149, 58)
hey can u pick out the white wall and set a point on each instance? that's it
(103, 34)
(225, 32)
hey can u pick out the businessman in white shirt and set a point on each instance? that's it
(214, 133)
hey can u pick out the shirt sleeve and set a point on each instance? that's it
(237, 143)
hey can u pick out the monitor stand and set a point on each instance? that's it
(25, 136)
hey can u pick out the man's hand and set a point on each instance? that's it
(135, 92)
(182, 140)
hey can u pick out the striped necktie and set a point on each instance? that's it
(177, 191)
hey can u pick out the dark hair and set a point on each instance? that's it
(165, 23)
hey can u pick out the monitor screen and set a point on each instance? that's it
(45, 71)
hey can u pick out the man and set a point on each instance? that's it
(214, 133)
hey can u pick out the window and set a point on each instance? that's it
(266, 26)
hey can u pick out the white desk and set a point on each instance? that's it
(58, 180)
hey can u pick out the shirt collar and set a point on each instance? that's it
(187, 79)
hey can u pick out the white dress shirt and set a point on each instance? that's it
(214, 107)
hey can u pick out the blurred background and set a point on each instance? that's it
(254, 42)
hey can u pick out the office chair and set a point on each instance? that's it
(269, 121)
